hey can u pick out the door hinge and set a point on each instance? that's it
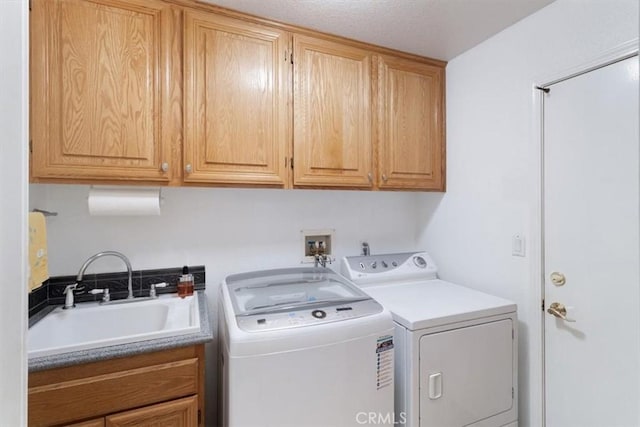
(291, 162)
(199, 417)
(542, 306)
(30, 5)
(291, 56)
(513, 334)
(513, 393)
(31, 146)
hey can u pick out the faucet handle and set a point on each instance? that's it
(68, 291)
(78, 286)
(106, 296)
(152, 290)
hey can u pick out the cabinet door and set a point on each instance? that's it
(175, 413)
(410, 125)
(332, 114)
(236, 119)
(102, 73)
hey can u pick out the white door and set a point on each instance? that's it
(591, 249)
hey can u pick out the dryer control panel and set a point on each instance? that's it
(389, 267)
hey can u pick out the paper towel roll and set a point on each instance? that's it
(124, 202)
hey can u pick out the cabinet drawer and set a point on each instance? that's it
(82, 398)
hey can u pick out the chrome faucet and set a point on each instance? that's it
(319, 252)
(100, 255)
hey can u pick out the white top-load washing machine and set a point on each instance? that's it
(455, 348)
(303, 347)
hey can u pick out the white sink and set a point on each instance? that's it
(91, 325)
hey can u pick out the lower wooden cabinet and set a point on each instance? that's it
(176, 413)
(161, 388)
(98, 422)
(181, 412)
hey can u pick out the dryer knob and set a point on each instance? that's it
(419, 262)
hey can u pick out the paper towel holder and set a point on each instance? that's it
(114, 200)
(45, 213)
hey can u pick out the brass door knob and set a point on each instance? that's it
(560, 311)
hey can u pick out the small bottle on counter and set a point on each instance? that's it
(185, 283)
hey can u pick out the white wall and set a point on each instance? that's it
(13, 194)
(492, 154)
(227, 230)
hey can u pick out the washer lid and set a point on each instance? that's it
(430, 303)
(271, 291)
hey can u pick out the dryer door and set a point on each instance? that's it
(467, 375)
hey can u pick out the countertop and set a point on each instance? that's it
(123, 350)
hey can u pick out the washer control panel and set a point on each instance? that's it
(308, 316)
(389, 267)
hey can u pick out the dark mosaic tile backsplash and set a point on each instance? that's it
(51, 292)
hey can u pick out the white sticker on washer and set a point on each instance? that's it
(384, 361)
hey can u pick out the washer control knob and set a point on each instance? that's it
(384, 264)
(362, 265)
(374, 264)
(319, 314)
(394, 263)
(419, 262)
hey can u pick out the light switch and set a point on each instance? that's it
(517, 245)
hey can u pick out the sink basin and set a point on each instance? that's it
(91, 325)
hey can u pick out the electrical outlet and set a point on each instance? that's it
(316, 242)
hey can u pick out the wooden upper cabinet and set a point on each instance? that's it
(236, 101)
(332, 114)
(410, 125)
(178, 92)
(103, 99)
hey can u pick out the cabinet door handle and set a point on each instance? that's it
(384, 178)
(164, 167)
(370, 177)
(188, 168)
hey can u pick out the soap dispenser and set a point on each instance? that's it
(185, 283)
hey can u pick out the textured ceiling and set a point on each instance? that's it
(440, 29)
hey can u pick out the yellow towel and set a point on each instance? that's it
(37, 250)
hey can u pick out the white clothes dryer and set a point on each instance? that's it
(455, 348)
(303, 347)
